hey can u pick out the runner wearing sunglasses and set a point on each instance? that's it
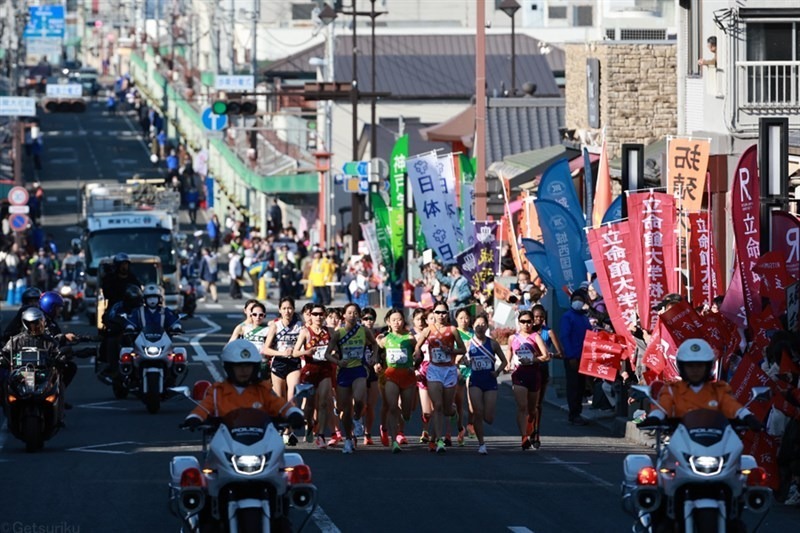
(527, 349)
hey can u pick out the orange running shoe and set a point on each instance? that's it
(335, 439)
(384, 437)
(401, 439)
(368, 440)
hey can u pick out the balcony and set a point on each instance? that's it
(768, 87)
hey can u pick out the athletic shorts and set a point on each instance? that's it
(404, 378)
(347, 376)
(446, 375)
(527, 376)
(422, 373)
(283, 366)
(463, 374)
(372, 376)
(483, 379)
(316, 373)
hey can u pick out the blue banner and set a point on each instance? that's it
(614, 211)
(566, 246)
(556, 185)
(536, 253)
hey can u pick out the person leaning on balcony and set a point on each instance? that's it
(711, 42)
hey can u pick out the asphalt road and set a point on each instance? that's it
(107, 471)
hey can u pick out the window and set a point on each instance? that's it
(302, 11)
(584, 16)
(779, 44)
(557, 12)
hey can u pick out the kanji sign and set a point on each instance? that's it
(686, 171)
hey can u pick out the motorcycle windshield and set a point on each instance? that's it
(705, 427)
(247, 426)
(153, 332)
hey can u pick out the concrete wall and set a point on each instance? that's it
(638, 91)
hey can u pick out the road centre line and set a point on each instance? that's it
(324, 522)
(519, 529)
(201, 352)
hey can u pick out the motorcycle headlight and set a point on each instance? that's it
(152, 351)
(705, 465)
(66, 290)
(248, 464)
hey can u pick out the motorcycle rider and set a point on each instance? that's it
(35, 336)
(153, 316)
(244, 387)
(114, 327)
(30, 298)
(116, 282)
(51, 304)
(695, 360)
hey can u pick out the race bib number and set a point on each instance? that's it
(352, 353)
(283, 346)
(439, 356)
(482, 363)
(525, 355)
(319, 354)
(396, 356)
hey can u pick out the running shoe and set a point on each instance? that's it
(285, 439)
(348, 446)
(396, 448)
(401, 439)
(309, 436)
(482, 450)
(529, 427)
(292, 440)
(368, 440)
(470, 431)
(335, 439)
(424, 438)
(440, 446)
(460, 438)
(431, 446)
(535, 440)
(358, 427)
(447, 441)
(526, 443)
(384, 437)
(320, 442)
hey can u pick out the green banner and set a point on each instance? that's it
(397, 229)
(381, 213)
(397, 170)
(467, 166)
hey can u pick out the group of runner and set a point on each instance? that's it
(432, 364)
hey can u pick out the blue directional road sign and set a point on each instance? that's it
(356, 168)
(214, 122)
(18, 221)
(363, 185)
(45, 21)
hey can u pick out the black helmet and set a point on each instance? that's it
(33, 320)
(121, 258)
(133, 297)
(31, 296)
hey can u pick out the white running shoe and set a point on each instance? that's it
(285, 438)
(482, 450)
(358, 427)
(794, 496)
(348, 446)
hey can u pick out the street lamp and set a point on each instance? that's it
(510, 8)
(327, 15)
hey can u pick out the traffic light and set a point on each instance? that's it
(235, 107)
(64, 105)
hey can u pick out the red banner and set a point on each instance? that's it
(774, 279)
(616, 264)
(683, 322)
(786, 238)
(704, 272)
(601, 355)
(652, 217)
(733, 304)
(745, 212)
(659, 357)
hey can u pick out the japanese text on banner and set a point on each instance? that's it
(687, 166)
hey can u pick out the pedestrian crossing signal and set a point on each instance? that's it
(242, 107)
(64, 106)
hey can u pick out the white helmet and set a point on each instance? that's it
(241, 352)
(695, 351)
(152, 295)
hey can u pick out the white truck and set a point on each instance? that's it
(137, 218)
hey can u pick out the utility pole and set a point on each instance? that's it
(256, 19)
(215, 44)
(355, 209)
(373, 130)
(232, 39)
(480, 111)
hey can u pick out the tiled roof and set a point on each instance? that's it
(515, 125)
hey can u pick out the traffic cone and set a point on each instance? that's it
(10, 293)
(262, 289)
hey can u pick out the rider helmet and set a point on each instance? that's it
(31, 296)
(76, 246)
(152, 296)
(121, 257)
(133, 297)
(241, 352)
(33, 320)
(50, 302)
(695, 351)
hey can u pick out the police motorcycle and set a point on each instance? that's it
(33, 390)
(71, 286)
(699, 481)
(247, 482)
(149, 362)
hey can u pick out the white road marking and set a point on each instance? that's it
(70, 198)
(201, 352)
(324, 522)
(212, 306)
(51, 199)
(581, 472)
(519, 529)
(235, 315)
(102, 405)
(95, 448)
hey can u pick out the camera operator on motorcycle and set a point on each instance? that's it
(30, 298)
(243, 388)
(695, 360)
(153, 316)
(114, 327)
(116, 282)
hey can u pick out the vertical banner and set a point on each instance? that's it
(477, 262)
(792, 306)
(382, 231)
(371, 236)
(564, 242)
(468, 213)
(397, 230)
(397, 169)
(704, 273)
(536, 254)
(653, 220)
(602, 196)
(745, 211)
(686, 171)
(733, 304)
(616, 264)
(771, 267)
(614, 211)
(588, 184)
(556, 185)
(786, 238)
(447, 178)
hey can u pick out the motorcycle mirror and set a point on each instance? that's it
(640, 392)
(303, 390)
(760, 394)
(180, 391)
